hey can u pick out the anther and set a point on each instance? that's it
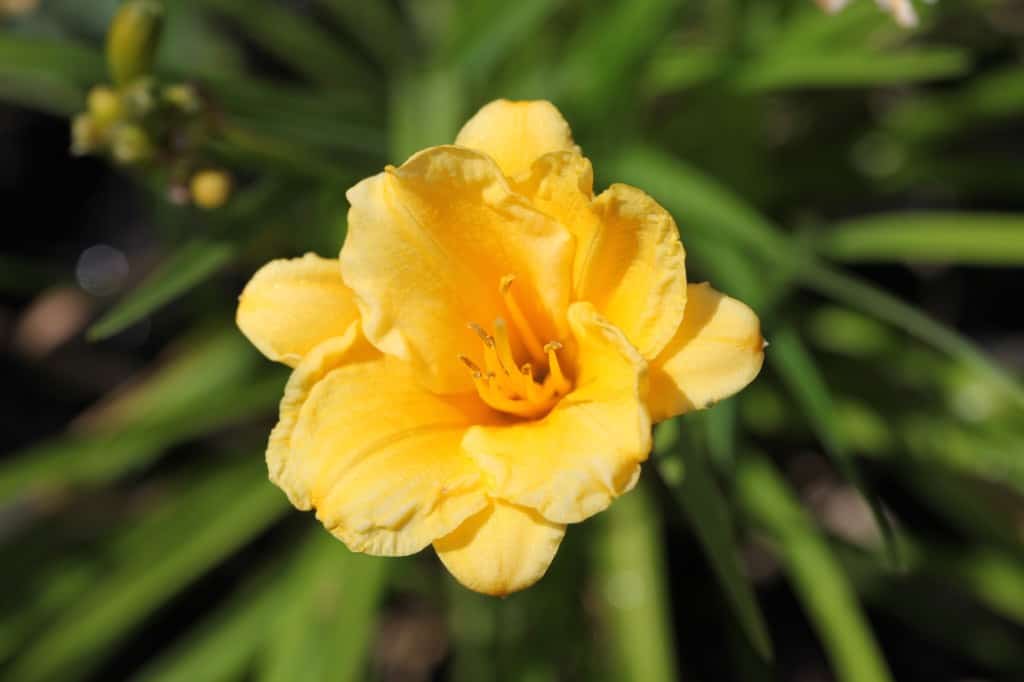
(559, 382)
(473, 367)
(484, 336)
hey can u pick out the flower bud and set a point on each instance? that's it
(133, 39)
(86, 136)
(130, 144)
(210, 188)
(183, 97)
(104, 105)
(139, 98)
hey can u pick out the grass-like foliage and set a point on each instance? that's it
(855, 514)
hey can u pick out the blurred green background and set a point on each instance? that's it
(855, 515)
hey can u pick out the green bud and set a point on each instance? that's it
(139, 98)
(104, 104)
(133, 39)
(210, 188)
(182, 97)
(130, 144)
(86, 136)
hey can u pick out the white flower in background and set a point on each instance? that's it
(901, 10)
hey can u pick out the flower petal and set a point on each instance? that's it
(501, 550)
(516, 133)
(587, 451)
(376, 455)
(717, 350)
(427, 246)
(291, 305)
(629, 261)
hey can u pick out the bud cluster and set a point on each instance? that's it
(140, 122)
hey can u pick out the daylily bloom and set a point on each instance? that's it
(483, 365)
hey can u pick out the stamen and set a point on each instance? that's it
(503, 346)
(514, 389)
(558, 379)
(534, 391)
(491, 361)
(526, 332)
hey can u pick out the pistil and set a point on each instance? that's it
(526, 333)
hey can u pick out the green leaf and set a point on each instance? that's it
(298, 41)
(487, 31)
(213, 519)
(851, 69)
(633, 583)
(932, 238)
(677, 69)
(375, 25)
(705, 206)
(911, 600)
(609, 43)
(796, 366)
(326, 626)
(708, 512)
(61, 60)
(817, 577)
(186, 266)
(223, 645)
(209, 386)
(426, 110)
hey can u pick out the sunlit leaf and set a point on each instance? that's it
(224, 512)
(947, 237)
(426, 110)
(632, 580)
(851, 69)
(816, 575)
(326, 624)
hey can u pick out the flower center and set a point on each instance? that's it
(527, 390)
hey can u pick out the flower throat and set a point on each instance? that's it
(528, 390)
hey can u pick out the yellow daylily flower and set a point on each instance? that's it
(483, 365)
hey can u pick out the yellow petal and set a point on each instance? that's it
(290, 306)
(629, 261)
(427, 246)
(501, 550)
(587, 451)
(717, 351)
(516, 133)
(377, 456)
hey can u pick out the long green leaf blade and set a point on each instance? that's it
(707, 510)
(851, 69)
(704, 205)
(183, 269)
(796, 366)
(929, 238)
(816, 574)
(224, 513)
(633, 582)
